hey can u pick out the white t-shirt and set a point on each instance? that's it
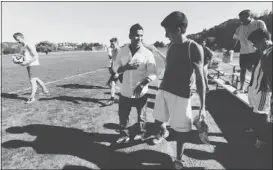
(244, 31)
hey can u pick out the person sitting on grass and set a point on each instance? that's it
(260, 88)
(31, 61)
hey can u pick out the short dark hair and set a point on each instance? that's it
(114, 39)
(18, 34)
(259, 35)
(135, 27)
(245, 12)
(174, 20)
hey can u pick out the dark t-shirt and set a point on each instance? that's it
(178, 76)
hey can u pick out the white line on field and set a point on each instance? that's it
(51, 82)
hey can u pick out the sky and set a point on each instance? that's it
(99, 21)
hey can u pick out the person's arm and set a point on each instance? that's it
(197, 56)
(262, 25)
(117, 63)
(109, 53)
(235, 40)
(209, 52)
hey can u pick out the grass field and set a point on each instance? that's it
(73, 129)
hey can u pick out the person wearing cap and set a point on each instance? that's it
(138, 66)
(173, 103)
(248, 54)
(260, 88)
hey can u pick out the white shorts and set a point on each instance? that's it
(175, 109)
(260, 102)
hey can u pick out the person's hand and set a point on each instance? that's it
(152, 48)
(24, 63)
(132, 65)
(116, 75)
(201, 126)
(138, 90)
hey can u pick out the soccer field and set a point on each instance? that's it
(73, 128)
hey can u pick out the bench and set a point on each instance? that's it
(231, 87)
(243, 97)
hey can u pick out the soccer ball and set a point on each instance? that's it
(17, 59)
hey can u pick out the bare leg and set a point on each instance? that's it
(42, 85)
(33, 87)
(112, 92)
(33, 91)
(180, 140)
(242, 77)
(113, 89)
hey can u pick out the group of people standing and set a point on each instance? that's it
(136, 63)
(186, 62)
(135, 66)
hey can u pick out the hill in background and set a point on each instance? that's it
(220, 36)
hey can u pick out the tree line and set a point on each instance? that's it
(47, 47)
(217, 37)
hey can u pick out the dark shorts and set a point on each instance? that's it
(249, 60)
(33, 71)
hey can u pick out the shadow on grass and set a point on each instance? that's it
(79, 86)
(87, 146)
(151, 105)
(12, 96)
(76, 100)
(231, 116)
(74, 167)
(118, 94)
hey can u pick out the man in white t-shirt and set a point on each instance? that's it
(248, 54)
(31, 61)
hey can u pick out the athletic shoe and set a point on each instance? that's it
(45, 92)
(163, 134)
(141, 136)
(30, 100)
(111, 101)
(123, 139)
(178, 164)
